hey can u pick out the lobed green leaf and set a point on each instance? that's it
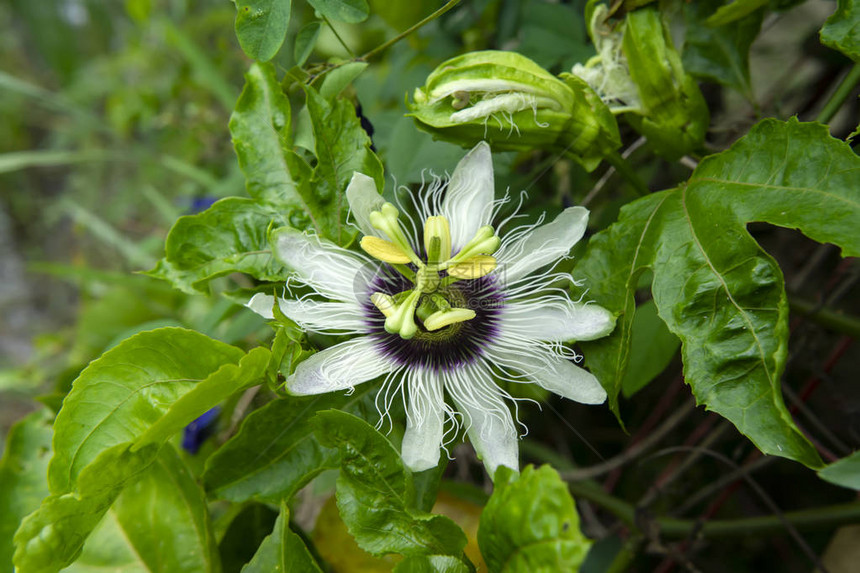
(652, 348)
(119, 396)
(207, 394)
(530, 524)
(841, 31)
(374, 491)
(275, 452)
(713, 285)
(844, 472)
(53, 536)
(613, 263)
(165, 519)
(228, 237)
(719, 54)
(260, 127)
(342, 147)
(433, 564)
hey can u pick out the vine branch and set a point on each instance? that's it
(817, 518)
(846, 86)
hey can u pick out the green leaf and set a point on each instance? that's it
(159, 523)
(531, 524)
(349, 11)
(427, 486)
(734, 11)
(374, 491)
(204, 396)
(23, 481)
(342, 147)
(401, 15)
(18, 160)
(844, 472)
(107, 548)
(714, 286)
(228, 237)
(306, 39)
(719, 54)
(114, 402)
(241, 531)
(52, 537)
(261, 26)
(841, 31)
(275, 452)
(276, 176)
(339, 78)
(611, 266)
(652, 348)
(166, 518)
(433, 564)
(120, 395)
(283, 551)
(553, 35)
(260, 127)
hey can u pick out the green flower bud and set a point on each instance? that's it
(510, 101)
(638, 71)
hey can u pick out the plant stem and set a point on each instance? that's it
(839, 322)
(410, 30)
(846, 86)
(625, 555)
(623, 168)
(384, 46)
(820, 517)
(633, 451)
(339, 39)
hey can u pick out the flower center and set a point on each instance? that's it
(429, 300)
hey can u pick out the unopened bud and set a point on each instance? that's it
(638, 72)
(513, 103)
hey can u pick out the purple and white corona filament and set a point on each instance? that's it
(443, 311)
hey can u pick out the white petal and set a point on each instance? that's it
(262, 304)
(425, 416)
(331, 270)
(544, 245)
(560, 320)
(468, 201)
(551, 372)
(340, 367)
(363, 199)
(325, 317)
(488, 420)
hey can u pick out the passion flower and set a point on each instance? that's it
(443, 311)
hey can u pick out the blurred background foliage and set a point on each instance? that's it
(113, 123)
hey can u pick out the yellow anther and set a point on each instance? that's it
(473, 267)
(444, 318)
(384, 302)
(437, 239)
(386, 221)
(385, 251)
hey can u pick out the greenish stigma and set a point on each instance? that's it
(428, 299)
